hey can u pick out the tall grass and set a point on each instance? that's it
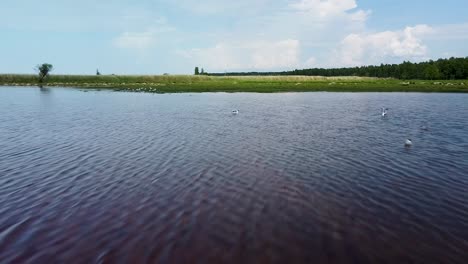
(201, 83)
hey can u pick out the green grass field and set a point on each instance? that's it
(261, 84)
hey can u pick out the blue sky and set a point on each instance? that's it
(174, 36)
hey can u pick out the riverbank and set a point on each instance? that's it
(261, 84)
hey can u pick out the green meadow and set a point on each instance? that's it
(260, 84)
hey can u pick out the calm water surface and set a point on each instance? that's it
(106, 177)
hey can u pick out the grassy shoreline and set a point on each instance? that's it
(260, 84)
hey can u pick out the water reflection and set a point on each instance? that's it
(44, 90)
(301, 178)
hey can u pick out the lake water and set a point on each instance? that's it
(103, 177)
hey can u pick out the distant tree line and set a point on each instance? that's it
(442, 69)
(198, 72)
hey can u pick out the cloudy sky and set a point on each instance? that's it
(174, 36)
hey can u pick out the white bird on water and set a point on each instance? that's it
(408, 143)
(235, 112)
(384, 111)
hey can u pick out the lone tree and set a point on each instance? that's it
(197, 71)
(43, 70)
(97, 72)
(202, 71)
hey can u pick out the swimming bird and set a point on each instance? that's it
(425, 128)
(408, 143)
(235, 112)
(384, 111)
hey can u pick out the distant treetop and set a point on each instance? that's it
(43, 70)
(445, 69)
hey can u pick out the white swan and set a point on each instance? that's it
(235, 112)
(408, 143)
(384, 111)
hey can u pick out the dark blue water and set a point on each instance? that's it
(106, 177)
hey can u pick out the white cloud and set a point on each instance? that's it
(214, 7)
(136, 40)
(275, 41)
(331, 9)
(324, 7)
(375, 48)
(310, 63)
(282, 35)
(450, 32)
(283, 53)
(251, 55)
(141, 40)
(360, 15)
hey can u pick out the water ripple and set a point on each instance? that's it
(109, 177)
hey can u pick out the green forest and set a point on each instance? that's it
(442, 69)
